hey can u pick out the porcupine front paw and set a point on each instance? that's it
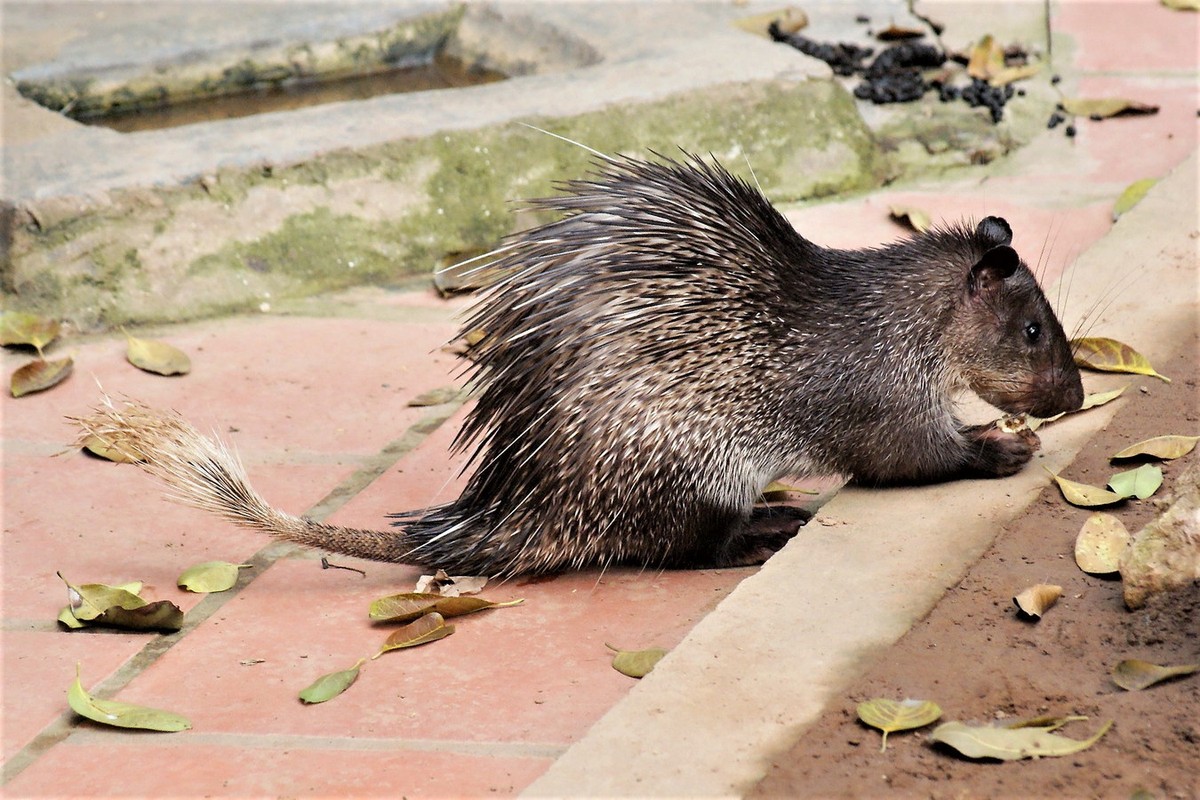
(994, 453)
(763, 535)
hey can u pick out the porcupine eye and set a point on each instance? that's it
(1033, 332)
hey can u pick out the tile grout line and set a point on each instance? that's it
(62, 727)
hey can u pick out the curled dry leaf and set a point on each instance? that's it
(157, 357)
(99, 446)
(411, 605)
(897, 715)
(635, 663)
(1081, 494)
(160, 615)
(1140, 482)
(1046, 722)
(776, 491)
(39, 375)
(428, 628)
(331, 685)
(1100, 543)
(1132, 195)
(1009, 744)
(122, 715)
(1089, 401)
(435, 397)
(1106, 106)
(210, 576)
(450, 585)
(1012, 74)
(89, 600)
(1133, 674)
(118, 607)
(1035, 600)
(914, 218)
(790, 20)
(1164, 447)
(20, 327)
(986, 58)
(898, 33)
(1109, 355)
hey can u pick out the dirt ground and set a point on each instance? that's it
(979, 661)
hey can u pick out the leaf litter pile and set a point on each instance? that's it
(1088, 699)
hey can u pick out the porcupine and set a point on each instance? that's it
(660, 353)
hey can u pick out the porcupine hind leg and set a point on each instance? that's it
(737, 540)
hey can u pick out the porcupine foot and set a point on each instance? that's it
(763, 535)
(992, 452)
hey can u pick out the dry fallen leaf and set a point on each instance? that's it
(1164, 447)
(1109, 355)
(790, 20)
(1083, 495)
(1012, 74)
(1089, 401)
(1132, 195)
(1133, 674)
(428, 628)
(1035, 600)
(210, 576)
(1182, 5)
(635, 663)
(39, 375)
(331, 685)
(898, 33)
(986, 58)
(1140, 482)
(411, 605)
(914, 218)
(1100, 543)
(1009, 744)
(897, 715)
(157, 357)
(435, 397)
(98, 446)
(20, 327)
(118, 607)
(122, 715)
(1106, 106)
(450, 585)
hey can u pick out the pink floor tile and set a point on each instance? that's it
(38, 668)
(115, 764)
(537, 673)
(1128, 34)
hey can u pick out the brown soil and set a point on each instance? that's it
(979, 661)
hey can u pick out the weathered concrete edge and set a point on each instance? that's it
(766, 662)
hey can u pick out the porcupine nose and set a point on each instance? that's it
(1057, 391)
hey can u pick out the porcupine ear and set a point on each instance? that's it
(990, 271)
(994, 231)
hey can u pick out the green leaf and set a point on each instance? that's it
(897, 715)
(1133, 674)
(157, 357)
(20, 327)
(66, 618)
(210, 576)
(122, 715)
(408, 606)
(89, 600)
(1109, 355)
(428, 628)
(1009, 744)
(1081, 494)
(1140, 482)
(330, 686)
(1132, 195)
(636, 663)
(39, 375)
(1164, 447)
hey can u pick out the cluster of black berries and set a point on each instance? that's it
(993, 98)
(844, 58)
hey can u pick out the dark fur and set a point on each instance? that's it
(659, 355)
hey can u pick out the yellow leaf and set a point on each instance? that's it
(1164, 447)
(636, 663)
(1106, 106)
(1083, 495)
(1009, 744)
(914, 218)
(20, 327)
(1132, 195)
(98, 446)
(39, 375)
(1109, 355)
(210, 576)
(897, 715)
(1134, 674)
(986, 59)
(1011, 74)
(1100, 543)
(1182, 5)
(122, 715)
(1036, 600)
(411, 605)
(157, 357)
